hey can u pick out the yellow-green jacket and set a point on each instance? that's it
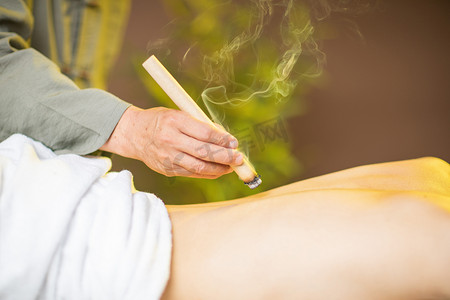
(54, 58)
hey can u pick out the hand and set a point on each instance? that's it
(173, 143)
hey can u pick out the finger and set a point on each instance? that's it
(180, 171)
(170, 169)
(220, 126)
(207, 132)
(209, 152)
(201, 168)
(187, 173)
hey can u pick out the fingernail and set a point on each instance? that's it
(239, 159)
(233, 144)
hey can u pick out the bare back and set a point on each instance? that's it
(373, 232)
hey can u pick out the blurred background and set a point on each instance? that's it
(383, 95)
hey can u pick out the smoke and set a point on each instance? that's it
(262, 59)
(295, 37)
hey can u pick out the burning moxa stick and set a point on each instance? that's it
(179, 96)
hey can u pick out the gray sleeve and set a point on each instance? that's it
(40, 102)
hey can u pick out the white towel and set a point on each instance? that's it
(70, 230)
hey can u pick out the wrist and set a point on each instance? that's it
(121, 140)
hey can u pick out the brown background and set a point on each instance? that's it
(382, 100)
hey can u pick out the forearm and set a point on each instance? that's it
(41, 103)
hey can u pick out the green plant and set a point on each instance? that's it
(242, 61)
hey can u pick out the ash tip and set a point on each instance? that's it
(254, 183)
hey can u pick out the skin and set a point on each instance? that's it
(373, 232)
(173, 143)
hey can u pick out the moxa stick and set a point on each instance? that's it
(173, 89)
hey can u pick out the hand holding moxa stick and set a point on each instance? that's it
(173, 89)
